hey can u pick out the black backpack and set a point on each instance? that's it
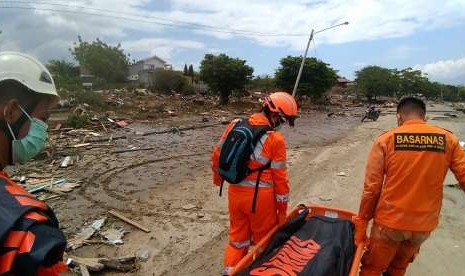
(235, 154)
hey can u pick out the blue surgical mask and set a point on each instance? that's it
(30, 145)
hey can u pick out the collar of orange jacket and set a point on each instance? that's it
(414, 122)
(259, 119)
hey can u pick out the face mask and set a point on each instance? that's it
(26, 148)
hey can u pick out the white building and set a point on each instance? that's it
(142, 70)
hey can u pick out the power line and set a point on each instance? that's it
(153, 19)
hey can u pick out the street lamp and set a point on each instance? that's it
(305, 55)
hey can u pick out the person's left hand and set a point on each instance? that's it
(361, 226)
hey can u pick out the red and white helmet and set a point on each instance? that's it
(284, 104)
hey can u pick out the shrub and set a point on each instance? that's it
(77, 121)
(166, 81)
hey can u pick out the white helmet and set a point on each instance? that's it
(28, 71)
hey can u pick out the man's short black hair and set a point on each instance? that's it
(411, 105)
(11, 89)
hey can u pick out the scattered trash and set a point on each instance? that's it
(144, 255)
(122, 123)
(176, 130)
(131, 150)
(188, 207)
(129, 221)
(58, 126)
(48, 184)
(65, 188)
(93, 264)
(325, 198)
(343, 174)
(114, 236)
(66, 162)
(84, 271)
(81, 145)
(85, 234)
(42, 176)
(451, 115)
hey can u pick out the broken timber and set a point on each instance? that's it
(180, 129)
(129, 221)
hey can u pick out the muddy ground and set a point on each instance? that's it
(168, 189)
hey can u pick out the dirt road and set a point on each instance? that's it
(169, 190)
(314, 180)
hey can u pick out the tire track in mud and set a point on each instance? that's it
(93, 180)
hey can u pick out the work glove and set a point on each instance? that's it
(360, 229)
(282, 217)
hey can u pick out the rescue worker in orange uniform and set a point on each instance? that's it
(31, 242)
(404, 187)
(247, 227)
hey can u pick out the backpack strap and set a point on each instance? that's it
(257, 184)
(260, 169)
(221, 186)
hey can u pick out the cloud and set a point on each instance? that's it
(446, 71)
(369, 20)
(403, 52)
(161, 47)
(34, 31)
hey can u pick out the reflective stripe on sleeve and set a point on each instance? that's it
(278, 165)
(227, 270)
(257, 153)
(253, 183)
(282, 198)
(241, 244)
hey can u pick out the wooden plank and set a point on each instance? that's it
(129, 221)
(84, 271)
(131, 150)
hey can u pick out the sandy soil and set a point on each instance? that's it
(313, 179)
(169, 190)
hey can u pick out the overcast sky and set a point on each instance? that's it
(426, 35)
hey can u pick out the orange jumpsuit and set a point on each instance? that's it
(403, 192)
(273, 193)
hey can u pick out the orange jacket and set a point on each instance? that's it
(270, 148)
(405, 173)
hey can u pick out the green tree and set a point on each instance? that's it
(191, 73)
(224, 74)
(65, 74)
(266, 83)
(185, 71)
(376, 81)
(411, 82)
(104, 61)
(167, 81)
(317, 76)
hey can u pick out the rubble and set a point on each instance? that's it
(114, 235)
(123, 264)
(85, 234)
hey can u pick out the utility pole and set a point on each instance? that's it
(305, 54)
(302, 64)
